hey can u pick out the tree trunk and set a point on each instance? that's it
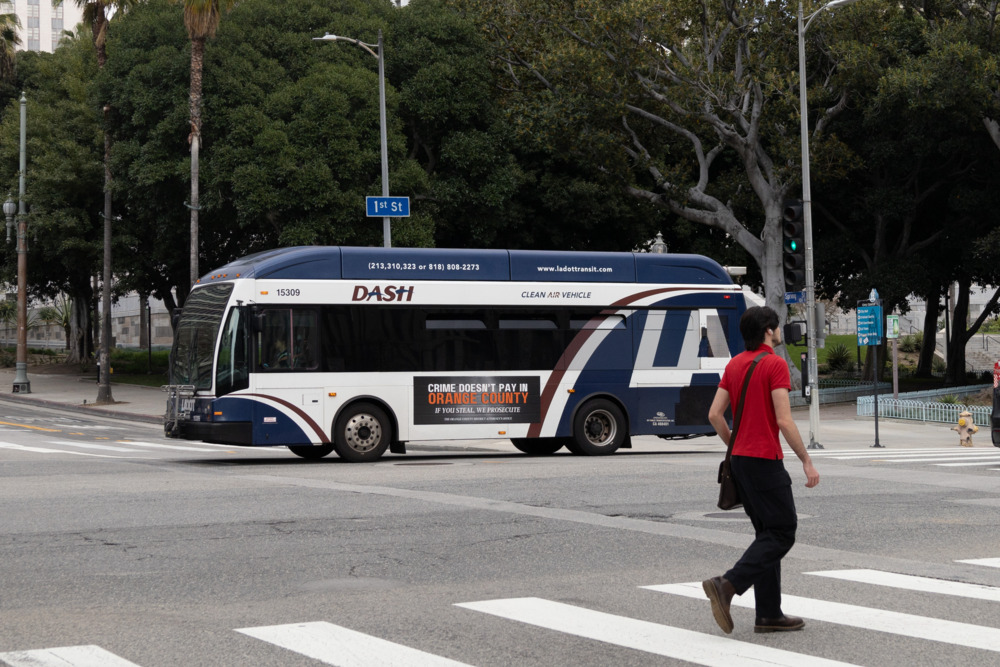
(104, 377)
(194, 99)
(925, 364)
(955, 374)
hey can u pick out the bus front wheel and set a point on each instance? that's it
(310, 452)
(362, 433)
(538, 446)
(598, 428)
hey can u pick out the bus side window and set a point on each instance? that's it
(304, 340)
(273, 348)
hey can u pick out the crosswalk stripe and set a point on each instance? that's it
(969, 465)
(941, 459)
(906, 625)
(912, 457)
(988, 562)
(66, 656)
(44, 450)
(677, 643)
(336, 645)
(88, 445)
(912, 583)
(885, 451)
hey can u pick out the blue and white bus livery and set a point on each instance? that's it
(360, 350)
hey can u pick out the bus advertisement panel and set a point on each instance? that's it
(361, 350)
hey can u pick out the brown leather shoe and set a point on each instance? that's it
(721, 593)
(783, 624)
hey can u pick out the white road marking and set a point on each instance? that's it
(44, 450)
(912, 583)
(89, 445)
(340, 646)
(677, 643)
(906, 625)
(157, 445)
(66, 656)
(988, 562)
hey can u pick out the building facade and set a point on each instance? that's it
(43, 22)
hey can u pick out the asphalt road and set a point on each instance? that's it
(133, 549)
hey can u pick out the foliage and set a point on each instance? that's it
(911, 342)
(839, 357)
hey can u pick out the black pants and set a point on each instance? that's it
(766, 491)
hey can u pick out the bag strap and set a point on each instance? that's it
(739, 410)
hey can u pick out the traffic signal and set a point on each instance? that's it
(793, 250)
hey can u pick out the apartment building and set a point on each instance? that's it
(43, 21)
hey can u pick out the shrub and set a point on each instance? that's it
(911, 343)
(950, 399)
(839, 358)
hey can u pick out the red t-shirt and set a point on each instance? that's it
(758, 432)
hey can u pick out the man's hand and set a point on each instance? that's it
(812, 477)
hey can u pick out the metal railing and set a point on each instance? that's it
(926, 411)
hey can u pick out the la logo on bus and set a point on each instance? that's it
(383, 293)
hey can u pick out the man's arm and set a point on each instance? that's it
(717, 414)
(783, 415)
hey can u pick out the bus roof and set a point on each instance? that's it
(368, 263)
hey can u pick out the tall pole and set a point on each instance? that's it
(104, 396)
(386, 234)
(21, 383)
(813, 370)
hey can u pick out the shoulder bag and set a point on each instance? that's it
(729, 493)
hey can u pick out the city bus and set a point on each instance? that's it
(362, 350)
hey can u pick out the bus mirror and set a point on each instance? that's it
(258, 322)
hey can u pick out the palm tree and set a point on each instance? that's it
(96, 14)
(9, 41)
(201, 18)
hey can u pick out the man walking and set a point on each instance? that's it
(764, 485)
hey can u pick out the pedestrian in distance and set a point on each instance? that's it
(764, 485)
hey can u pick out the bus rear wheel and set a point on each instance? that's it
(599, 428)
(362, 433)
(310, 452)
(538, 446)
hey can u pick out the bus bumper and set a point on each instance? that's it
(220, 433)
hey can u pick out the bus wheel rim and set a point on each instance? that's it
(600, 427)
(363, 433)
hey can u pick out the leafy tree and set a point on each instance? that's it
(64, 148)
(201, 18)
(692, 106)
(9, 41)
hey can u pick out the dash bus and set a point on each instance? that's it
(360, 350)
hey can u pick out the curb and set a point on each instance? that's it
(84, 409)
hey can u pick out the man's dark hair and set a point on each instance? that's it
(754, 323)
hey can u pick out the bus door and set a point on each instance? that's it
(680, 354)
(288, 394)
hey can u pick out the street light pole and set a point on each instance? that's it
(21, 383)
(813, 367)
(379, 55)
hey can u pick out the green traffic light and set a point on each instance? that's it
(793, 245)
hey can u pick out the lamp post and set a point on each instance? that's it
(379, 55)
(21, 383)
(807, 220)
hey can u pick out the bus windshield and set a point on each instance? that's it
(194, 341)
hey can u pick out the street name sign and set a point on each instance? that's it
(795, 297)
(387, 207)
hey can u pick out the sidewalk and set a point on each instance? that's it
(57, 386)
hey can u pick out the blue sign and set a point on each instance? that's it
(388, 207)
(869, 325)
(795, 297)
